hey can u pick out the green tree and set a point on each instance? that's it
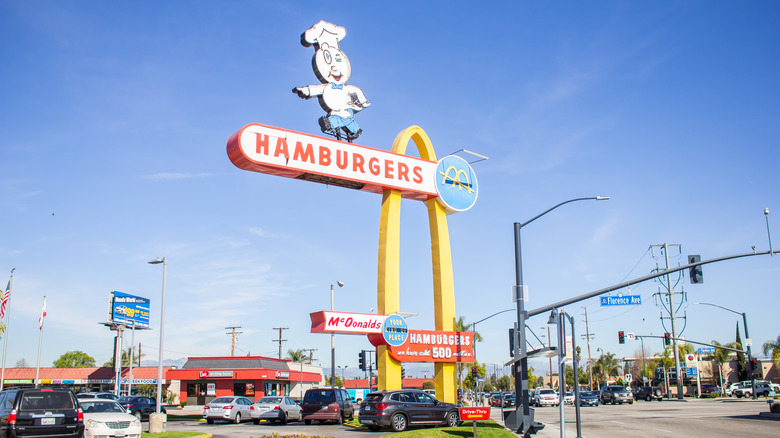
(504, 383)
(428, 384)
(772, 349)
(721, 356)
(74, 359)
(296, 355)
(460, 367)
(487, 387)
(606, 366)
(469, 381)
(339, 382)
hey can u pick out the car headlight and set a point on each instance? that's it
(95, 423)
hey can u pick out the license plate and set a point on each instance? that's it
(48, 421)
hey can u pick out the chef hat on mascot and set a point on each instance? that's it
(324, 33)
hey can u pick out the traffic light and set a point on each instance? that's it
(621, 337)
(474, 373)
(362, 360)
(667, 339)
(755, 367)
(694, 272)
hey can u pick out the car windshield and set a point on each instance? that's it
(126, 399)
(270, 400)
(92, 407)
(547, 391)
(325, 396)
(587, 394)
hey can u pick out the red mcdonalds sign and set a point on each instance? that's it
(435, 346)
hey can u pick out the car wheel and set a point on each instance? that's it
(283, 420)
(373, 428)
(256, 421)
(452, 419)
(631, 402)
(648, 398)
(210, 421)
(237, 420)
(398, 422)
(308, 422)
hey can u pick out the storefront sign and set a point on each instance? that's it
(435, 346)
(211, 389)
(282, 374)
(212, 374)
(18, 381)
(348, 323)
(250, 389)
(394, 330)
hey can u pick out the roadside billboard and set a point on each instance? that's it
(129, 310)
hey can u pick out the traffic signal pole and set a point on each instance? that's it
(674, 329)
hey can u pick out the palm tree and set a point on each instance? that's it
(296, 355)
(721, 357)
(773, 347)
(461, 326)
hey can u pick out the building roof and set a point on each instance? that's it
(236, 362)
(80, 373)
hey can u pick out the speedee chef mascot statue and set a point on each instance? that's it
(339, 100)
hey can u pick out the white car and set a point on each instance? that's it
(107, 418)
(276, 408)
(568, 398)
(231, 408)
(545, 397)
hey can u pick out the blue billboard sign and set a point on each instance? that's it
(129, 310)
(621, 300)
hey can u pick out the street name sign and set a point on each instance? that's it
(703, 350)
(621, 300)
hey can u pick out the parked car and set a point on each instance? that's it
(233, 408)
(649, 393)
(327, 404)
(545, 397)
(589, 398)
(710, 389)
(744, 391)
(140, 406)
(729, 390)
(616, 394)
(403, 408)
(40, 412)
(103, 395)
(568, 398)
(275, 408)
(107, 418)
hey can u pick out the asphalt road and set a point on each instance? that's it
(669, 418)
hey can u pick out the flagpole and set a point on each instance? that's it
(40, 338)
(8, 321)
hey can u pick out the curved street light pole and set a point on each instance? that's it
(333, 342)
(521, 351)
(747, 337)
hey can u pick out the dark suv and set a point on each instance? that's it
(140, 406)
(327, 404)
(406, 407)
(616, 394)
(40, 412)
(649, 393)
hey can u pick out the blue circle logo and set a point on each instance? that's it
(456, 184)
(395, 331)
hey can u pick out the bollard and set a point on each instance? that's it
(158, 422)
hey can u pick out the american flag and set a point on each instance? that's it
(6, 296)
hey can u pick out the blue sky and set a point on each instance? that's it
(115, 116)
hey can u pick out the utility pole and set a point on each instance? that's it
(234, 333)
(670, 295)
(549, 345)
(280, 339)
(588, 334)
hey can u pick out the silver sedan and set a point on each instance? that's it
(276, 408)
(232, 408)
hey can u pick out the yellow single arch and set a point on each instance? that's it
(389, 370)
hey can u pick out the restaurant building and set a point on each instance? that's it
(202, 379)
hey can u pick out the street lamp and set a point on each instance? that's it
(747, 337)
(162, 330)
(333, 342)
(521, 350)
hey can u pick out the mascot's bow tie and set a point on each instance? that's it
(337, 86)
